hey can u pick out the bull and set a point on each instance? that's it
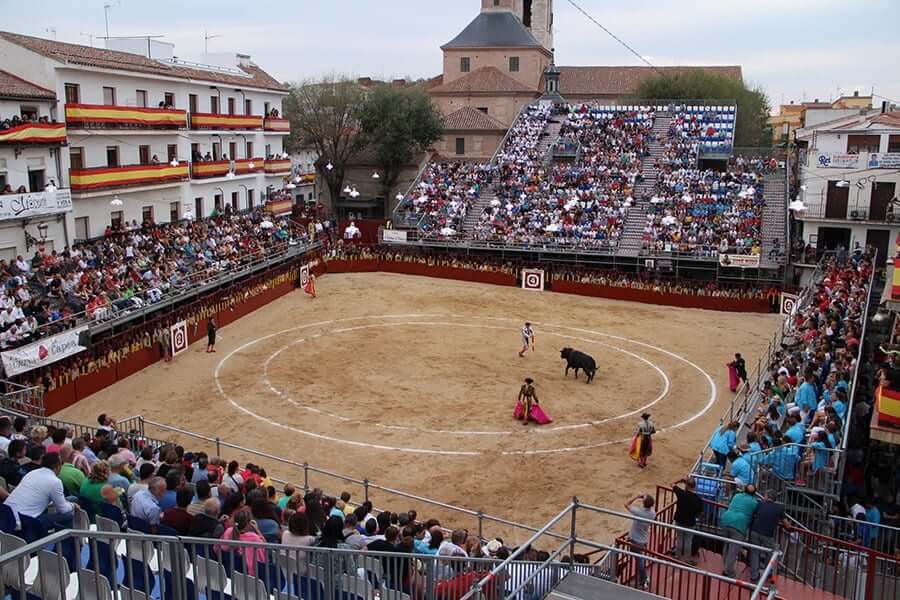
(579, 360)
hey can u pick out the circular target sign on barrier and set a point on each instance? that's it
(533, 280)
(179, 337)
(304, 275)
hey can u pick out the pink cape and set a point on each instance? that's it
(732, 378)
(537, 414)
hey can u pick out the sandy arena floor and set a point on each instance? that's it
(411, 382)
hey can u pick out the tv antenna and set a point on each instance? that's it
(90, 37)
(206, 38)
(106, 7)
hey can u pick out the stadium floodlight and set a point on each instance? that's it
(116, 201)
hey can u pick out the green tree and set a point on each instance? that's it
(752, 128)
(323, 116)
(396, 124)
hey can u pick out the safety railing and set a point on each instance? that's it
(875, 536)
(108, 562)
(417, 238)
(409, 219)
(798, 465)
(629, 564)
(24, 399)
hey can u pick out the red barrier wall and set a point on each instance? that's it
(87, 384)
(652, 297)
(415, 268)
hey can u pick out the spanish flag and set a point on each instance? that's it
(888, 406)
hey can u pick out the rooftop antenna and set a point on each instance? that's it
(90, 37)
(51, 31)
(138, 37)
(206, 38)
(106, 7)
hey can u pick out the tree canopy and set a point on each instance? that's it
(751, 129)
(396, 124)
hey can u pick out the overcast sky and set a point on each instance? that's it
(794, 49)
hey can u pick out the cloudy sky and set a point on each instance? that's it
(794, 49)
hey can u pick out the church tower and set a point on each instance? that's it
(536, 15)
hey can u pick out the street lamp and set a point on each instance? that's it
(375, 175)
(843, 183)
(347, 189)
(329, 166)
(354, 194)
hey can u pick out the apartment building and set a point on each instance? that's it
(153, 137)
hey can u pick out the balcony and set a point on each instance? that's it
(34, 133)
(276, 124)
(278, 166)
(225, 122)
(862, 214)
(99, 178)
(98, 116)
(221, 168)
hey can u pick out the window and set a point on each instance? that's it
(174, 211)
(836, 201)
(29, 112)
(36, 181)
(249, 198)
(115, 218)
(144, 155)
(231, 106)
(214, 105)
(198, 208)
(894, 143)
(172, 152)
(72, 93)
(109, 96)
(268, 150)
(195, 152)
(192, 102)
(232, 150)
(248, 106)
(76, 157)
(217, 151)
(2, 181)
(460, 145)
(862, 143)
(483, 109)
(265, 107)
(169, 98)
(112, 156)
(140, 97)
(249, 149)
(146, 214)
(526, 13)
(465, 64)
(234, 201)
(513, 64)
(82, 228)
(218, 202)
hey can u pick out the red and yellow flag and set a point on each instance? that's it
(35, 133)
(83, 114)
(888, 406)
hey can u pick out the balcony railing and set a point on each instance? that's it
(214, 121)
(126, 176)
(220, 168)
(102, 116)
(276, 124)
(884, 214)
(34, 133)
(278, 165)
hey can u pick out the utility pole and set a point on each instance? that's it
(106, 8)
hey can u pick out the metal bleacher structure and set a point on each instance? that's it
(629, 252)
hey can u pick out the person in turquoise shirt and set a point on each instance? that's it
(820, 452)
(736, 523)
(873, 515)
(784, 462)
(840, 405)
(806, 396)
(796, 432)
(722, 442)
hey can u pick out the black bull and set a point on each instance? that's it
(579, 360)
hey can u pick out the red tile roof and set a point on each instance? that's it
(606, 81)
(484, 79)
(889, 118)
(471, 118)
(125, 61)
(16, 87)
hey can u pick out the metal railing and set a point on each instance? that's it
(406, 218)
(629, 564)
(416, 238)
(874, 536)
(24, 399)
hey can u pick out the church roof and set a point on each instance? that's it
(485, 80)
(469, 117)
(587, 81)
(494, 30)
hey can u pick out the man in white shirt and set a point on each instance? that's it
(5, 434)
(453, 547)
(37, 490)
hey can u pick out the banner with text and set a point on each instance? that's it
(44, 352)
(884, 160)
(393, 235)
(743, 261)
(828, 160)
(21, 206)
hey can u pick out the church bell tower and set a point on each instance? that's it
(536, 15)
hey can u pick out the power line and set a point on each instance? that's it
(615, 37)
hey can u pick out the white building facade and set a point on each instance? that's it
(850, 180)
(151, 138)
(34, 203)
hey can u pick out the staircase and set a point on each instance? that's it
(631, 242)
(548, 138)
(774, 215)
(474, 213)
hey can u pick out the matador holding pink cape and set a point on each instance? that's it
(527, 406)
